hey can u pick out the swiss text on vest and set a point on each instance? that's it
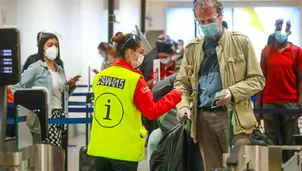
(111, 82)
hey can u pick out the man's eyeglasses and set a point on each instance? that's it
(210, 20)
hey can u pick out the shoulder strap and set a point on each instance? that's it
(294, 50)
(266, 52)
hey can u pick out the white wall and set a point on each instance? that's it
(157, 11)
(129, 14)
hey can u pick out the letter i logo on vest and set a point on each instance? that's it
(108, 110)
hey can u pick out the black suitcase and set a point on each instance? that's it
(86, 162)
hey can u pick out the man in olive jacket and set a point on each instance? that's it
(220, 61)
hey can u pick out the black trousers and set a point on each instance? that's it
(104, 164)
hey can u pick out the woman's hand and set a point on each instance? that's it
(180, 89)
(95, 71)
(73, 81)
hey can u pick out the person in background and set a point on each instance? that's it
(223, 62)
(35, 57)
(167, 65)
(167, 68)
(32, 58)
(180, 52)
(104, 51)
(147, 70)
(47, 73)
(180, 46)
(117, 136)
(283, 71)
(147, 66)
(225, 24)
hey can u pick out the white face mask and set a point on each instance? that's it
(51, 53)
(180, 48)
(140, 59)
(165, 60)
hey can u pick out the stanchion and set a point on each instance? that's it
(89, 71)
(88, 101)
(65, 145)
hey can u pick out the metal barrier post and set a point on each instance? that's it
(66, 148)
(88, 115)
(65, 142)
(88, 100)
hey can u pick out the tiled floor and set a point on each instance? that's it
(73, 154)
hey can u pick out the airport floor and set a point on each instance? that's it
(76, 143)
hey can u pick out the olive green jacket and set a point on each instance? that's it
(239, 70)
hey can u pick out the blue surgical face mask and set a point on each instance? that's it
(104, 55)
(281, 37)
(210, 30)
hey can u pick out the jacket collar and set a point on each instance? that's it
(122, 63)
(44, 64)
(221, 39)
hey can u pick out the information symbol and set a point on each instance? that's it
(108, 110)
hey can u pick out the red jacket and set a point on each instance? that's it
(164, 71)
(143, 96)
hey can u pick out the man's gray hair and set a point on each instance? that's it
(210, 3)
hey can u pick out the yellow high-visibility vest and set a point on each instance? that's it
(117, 131)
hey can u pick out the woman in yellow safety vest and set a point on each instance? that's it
(120, 97)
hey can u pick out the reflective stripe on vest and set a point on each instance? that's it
(117, 131)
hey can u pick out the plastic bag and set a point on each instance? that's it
(173, 151)
(168, 121)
